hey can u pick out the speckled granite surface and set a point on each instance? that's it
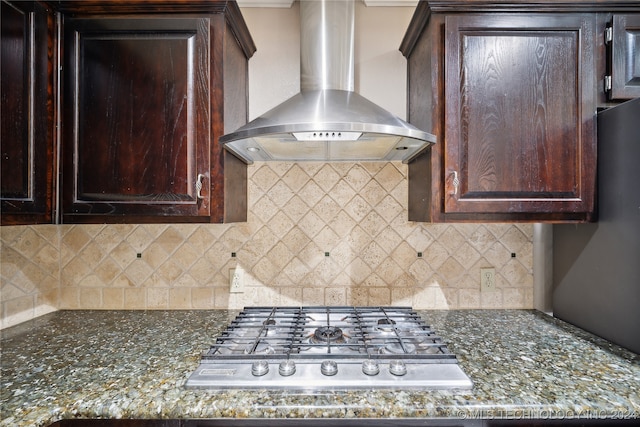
(133, 364)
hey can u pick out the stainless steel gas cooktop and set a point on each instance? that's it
(314, 348)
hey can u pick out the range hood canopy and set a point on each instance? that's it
(327, 120)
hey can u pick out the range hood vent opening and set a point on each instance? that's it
(327, 120)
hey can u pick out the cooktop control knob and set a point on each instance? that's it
(287, 368)
(259, 368)
(397, 368)
(329, 368)
(370, 367)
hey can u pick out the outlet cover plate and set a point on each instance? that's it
(236, 285)
(488, 279)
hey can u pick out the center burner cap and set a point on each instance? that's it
(328, 334)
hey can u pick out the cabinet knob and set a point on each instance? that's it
(199, 186)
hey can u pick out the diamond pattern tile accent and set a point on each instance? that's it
(297, 212)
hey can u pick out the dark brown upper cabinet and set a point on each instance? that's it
(511, 91)
(519, 115)
(623, 42)
(27, 113)
(148, 88)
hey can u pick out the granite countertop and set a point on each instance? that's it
(133, 364)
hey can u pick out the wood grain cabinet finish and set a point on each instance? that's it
(27, 113)
(511, 91)
(624, 46)
(519, 114)
(146, 96)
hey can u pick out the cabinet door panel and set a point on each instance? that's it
(26, 139)
(625, 59)
(137, 90)
(518, 137)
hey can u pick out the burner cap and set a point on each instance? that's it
(328, 334)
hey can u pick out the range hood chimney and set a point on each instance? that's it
(327, 120)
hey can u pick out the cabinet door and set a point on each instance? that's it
(136, 119)
(26, 139)
(519, 114)
(625, 57)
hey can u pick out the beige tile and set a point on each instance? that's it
(113, 298)
(447, 299)
(497, 255)
(296, 208)
(295, 177)
(389, 208)
(389, 272)
(47, 258)
(91, 281)
(185, 256)
(491, 299)
(516, 275)
(357, 208)
(357, 177)
(327, 208)
(107, 271)
(140, 238)
(135, 298)
(297, 212)
(221, 298)
(311, 193)
(19, 309)
(313, 296)
(202, 298)
(513, 298)
(28, 243)
(402, 296)
(391, 175)
(425, 298)
(155, 256)
(513, 239)
(469, 298)
(75, 271)
(451, 272)
(168, 272)
(179, 298)
(335, 296)
(264, 177)
(91, 298)
(379, 296)
(203, 271)
(169, 240)
(157, 298)
(75, 239)
(186, 281)
(327, 177)
(138, 272)
(69, 299)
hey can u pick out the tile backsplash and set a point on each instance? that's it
(316, 233)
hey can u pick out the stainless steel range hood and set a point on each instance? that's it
(327, 120)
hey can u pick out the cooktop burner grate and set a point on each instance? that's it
(318, 344)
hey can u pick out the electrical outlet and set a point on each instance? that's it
(487, 279)
(236, 285)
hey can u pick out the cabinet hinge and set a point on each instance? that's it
(607, 83)
(608, 35)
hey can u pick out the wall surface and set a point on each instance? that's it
(297, 213)
(380, 68)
